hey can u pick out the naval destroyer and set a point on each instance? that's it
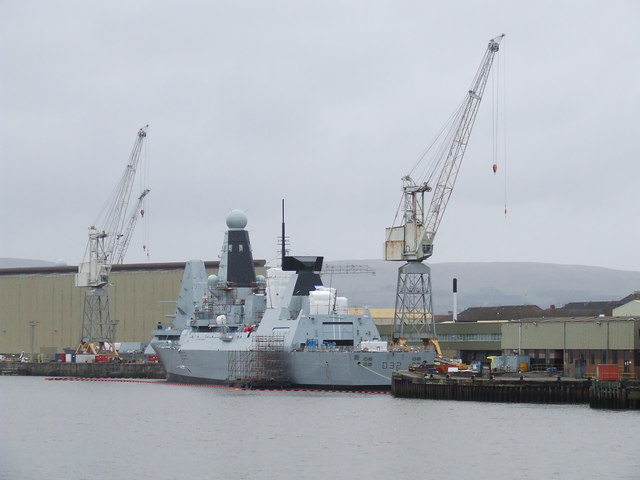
(242, 329)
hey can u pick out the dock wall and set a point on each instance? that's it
(622, 395)
(491, 389)
(89, 370)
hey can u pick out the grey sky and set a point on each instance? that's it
(325, 104)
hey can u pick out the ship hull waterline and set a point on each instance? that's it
(324, 370)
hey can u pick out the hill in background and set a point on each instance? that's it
(23, 263)
(490, 284)
(479, 284)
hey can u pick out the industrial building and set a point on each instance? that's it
(41, 308)
(576, 345)
(629, 309)
(573, 346)
(41, 312)
(470, 341)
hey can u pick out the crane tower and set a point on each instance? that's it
(412, 240)
(107, 245)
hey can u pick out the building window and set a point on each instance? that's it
(614, 356)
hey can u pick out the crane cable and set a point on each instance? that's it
(144, 180)
(442, 138)
(498, 117)
(495, 114)
(432, 167)
(445, 138)
(504, 128)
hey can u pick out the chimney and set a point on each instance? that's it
(455, 299)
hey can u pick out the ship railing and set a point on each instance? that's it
(329, 348)
(408, 348)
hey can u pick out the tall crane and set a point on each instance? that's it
(106, 246)
(412, 240)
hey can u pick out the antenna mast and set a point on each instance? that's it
(283, 251)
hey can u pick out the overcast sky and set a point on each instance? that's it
(327, 105)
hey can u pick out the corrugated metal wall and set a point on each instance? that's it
(140, 296)
(593, 334)
(137, 301)
(631, 309)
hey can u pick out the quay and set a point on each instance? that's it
(619, 395)
(88, 370)
(518, 388)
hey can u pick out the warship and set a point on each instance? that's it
(237, 328)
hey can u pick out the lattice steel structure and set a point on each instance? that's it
(264, 364)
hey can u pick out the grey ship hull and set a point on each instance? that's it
(348, 370)
(241, 329)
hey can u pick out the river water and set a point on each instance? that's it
(152, 430)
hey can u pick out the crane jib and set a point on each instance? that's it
(413, 239)
(108, 243)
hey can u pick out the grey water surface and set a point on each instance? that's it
(152, 430)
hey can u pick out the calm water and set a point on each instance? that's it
(144, 430)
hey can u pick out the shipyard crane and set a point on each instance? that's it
(106, 246)
(412, 240)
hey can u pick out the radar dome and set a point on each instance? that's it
(260, 279)
(60, 263)
(236, 220)
(212, 280)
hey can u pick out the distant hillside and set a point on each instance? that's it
(479, 284)
(490, 284)
(23, 262)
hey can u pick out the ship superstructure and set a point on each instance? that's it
(286, 329)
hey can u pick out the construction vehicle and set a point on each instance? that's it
(107, 246)
(412, 240)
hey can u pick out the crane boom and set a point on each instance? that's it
(131, 224)
(107, 244)
(413, 240)
(116, 215)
